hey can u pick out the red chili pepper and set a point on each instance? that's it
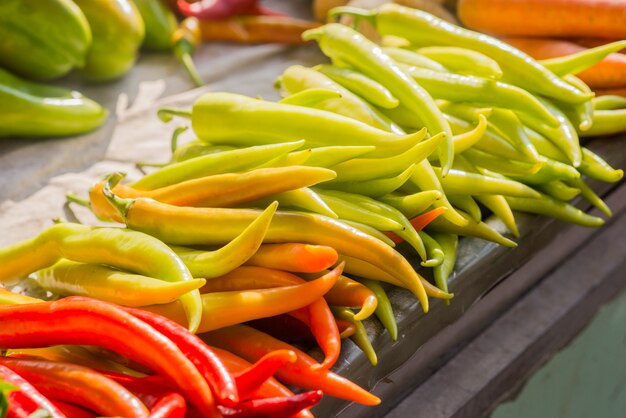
(419, 222)
(26, 399)
(223, 9)
(281, 407)
(72, 411)
(205, 360)
(84, 321)
(253, 377)
(252, 345)
(78, 385)
(172, 405)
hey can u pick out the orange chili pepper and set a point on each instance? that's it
(294, 257)
(419, 222)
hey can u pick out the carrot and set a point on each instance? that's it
(612, 92)
(593, 42)
(558, 18)
(607, 74)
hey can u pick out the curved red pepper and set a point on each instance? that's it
(223, 9)
(250, 379)
(281, 407)
(72, 410)
(26, 399)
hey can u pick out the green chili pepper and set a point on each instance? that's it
(419, 27)
(448, 244)
(501, 165)
(609, 102)
(301, 199)
(359, 337)
(129, 250)
(474, 229)
(257, 123)
(593, 166)
(43, 40)
(509, 124)
(195, 149)
(413, 204)
(580, 114)
(575, 63)
(348, 47)
(462, 182)
(467, 204)
(550, 170)
(376, 187)
(297, 78)
(362, 169)
(433, 249)
(118, 31)
(210, 264)
(216, 163)
(353, 212)
(606, 122)
(294, 158)
(405, 56)
(67, 278)
(468, 139)
(556, 209)
(332, 156)
(310, 97)
(384, 310)
(499, 206)
(359, 84)
(558, 190)
(37, 110)
(372, 232)
(160, 24)
(588, 194)
(463, 61)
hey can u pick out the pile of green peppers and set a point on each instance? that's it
(43, 41)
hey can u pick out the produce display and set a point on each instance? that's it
(225, 279)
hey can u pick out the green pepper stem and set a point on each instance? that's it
(356, 12)
(73, 198)
(166, 114)
(142, 164)
(122, 205)
(183, 49)
(175, 135)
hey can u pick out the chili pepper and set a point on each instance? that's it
(211, 164)
(10, 298)
(558, 190)
(458, 182)
(384, 310)
(609, 102)
(606, 122)
(501, 165)
(412, 204)
(498, 205)
(25, 398)
(118, 32)
(352, 294)
(251, 378)
(256, 29)
(593, 166)
(469, 138)
(294, 158)
(128, 250)
(484, 91)
(73, 411)
(580, 114)
(67, 278)
(359, 84)
(510, 126)
(588, 194)
(331, 156)
(463, 61)
(209, 264)
(184, 40)
(376, 187)
(36, 110)
(366, 270)
(211, 115)
(193, 226)
(347, 46)
(310, 97)
(298, 78)
(221, 9)
(205, 360)
(467, 204)
(293, 257)
(475, 229)
(281, 407)
(252, 345)
(70, 321)
(361, 169)
(221, 309)
(373, 232)
(554, 208)
(79, 385)
(434, 250)
(413, 58)
(32, 44)
(320, 320)
(353, 212)
(417, 26)
(303, 198)
(360, 337)
(160, 23)
(448, 244)
(170, 406)
(576, 63)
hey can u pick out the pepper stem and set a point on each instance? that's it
(122, 205)
(166, 114)
(177, 133)
(356, 12)
(73, 198)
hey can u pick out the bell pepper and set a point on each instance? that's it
(118, 32)
(43, 40)
(29, 109)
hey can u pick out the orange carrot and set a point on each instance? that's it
(593, 42)
(609, 73)
(613, 92)
(294, 257)
(558, 18)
